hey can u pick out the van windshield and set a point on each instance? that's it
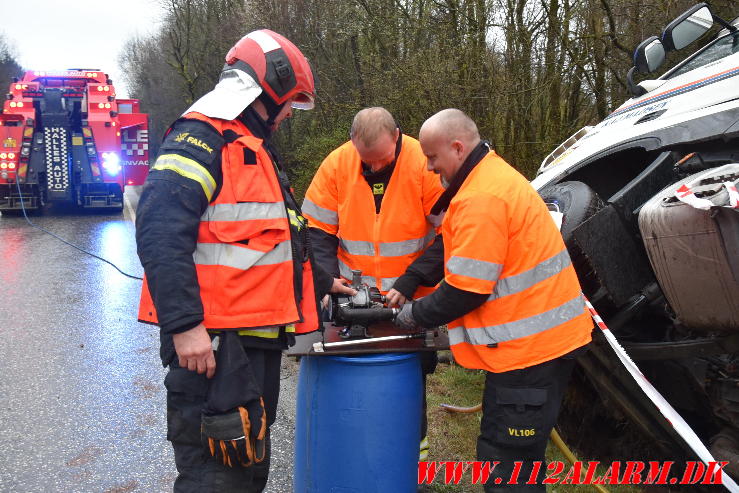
(720, 48)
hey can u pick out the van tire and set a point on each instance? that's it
(578, 203)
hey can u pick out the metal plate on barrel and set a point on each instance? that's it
(304, 343)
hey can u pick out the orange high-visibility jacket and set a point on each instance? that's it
(340, 202)
(244, 255)
(499, 239)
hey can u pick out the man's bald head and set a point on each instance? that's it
(374, 135)
(447, 138)
(452, 124)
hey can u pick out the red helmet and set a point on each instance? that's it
(277, 65)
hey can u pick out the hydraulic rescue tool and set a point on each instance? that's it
(363, 323)
(356, 313)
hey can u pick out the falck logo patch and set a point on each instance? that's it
(193, 141)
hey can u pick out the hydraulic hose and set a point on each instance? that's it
(462, 410)
(23, 208)
(562, 446)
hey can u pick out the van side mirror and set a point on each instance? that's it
(688, 27)
(649, 55)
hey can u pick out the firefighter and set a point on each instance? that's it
(368, 208)
(226, 260)
(510, 295)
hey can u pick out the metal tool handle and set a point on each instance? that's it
(319, 347)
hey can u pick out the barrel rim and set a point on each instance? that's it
(372, 358)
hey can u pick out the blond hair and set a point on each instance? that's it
(370, 123)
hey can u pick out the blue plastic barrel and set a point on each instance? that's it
(358, 424)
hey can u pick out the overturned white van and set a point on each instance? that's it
(651, 219)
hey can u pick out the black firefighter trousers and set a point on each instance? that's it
(198, 471)
(519, 410)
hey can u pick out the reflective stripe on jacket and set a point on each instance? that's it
(499, 239)
(340, 202)
(245, 251)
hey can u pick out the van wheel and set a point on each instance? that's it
(577, 202)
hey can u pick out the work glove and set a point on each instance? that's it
(404, 319)
(237, 438)
(233, 424)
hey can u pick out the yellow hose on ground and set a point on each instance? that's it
(562, 446)
(553, 436)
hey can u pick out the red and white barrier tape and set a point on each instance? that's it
(686, 194)
(672, 416)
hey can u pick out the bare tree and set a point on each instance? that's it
(530, 72)
(9, 66)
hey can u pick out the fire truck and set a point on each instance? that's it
(65, 138)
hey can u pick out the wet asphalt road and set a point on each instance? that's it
(82, 404)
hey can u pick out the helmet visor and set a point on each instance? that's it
(303, 101)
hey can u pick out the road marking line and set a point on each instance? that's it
(129, 209)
